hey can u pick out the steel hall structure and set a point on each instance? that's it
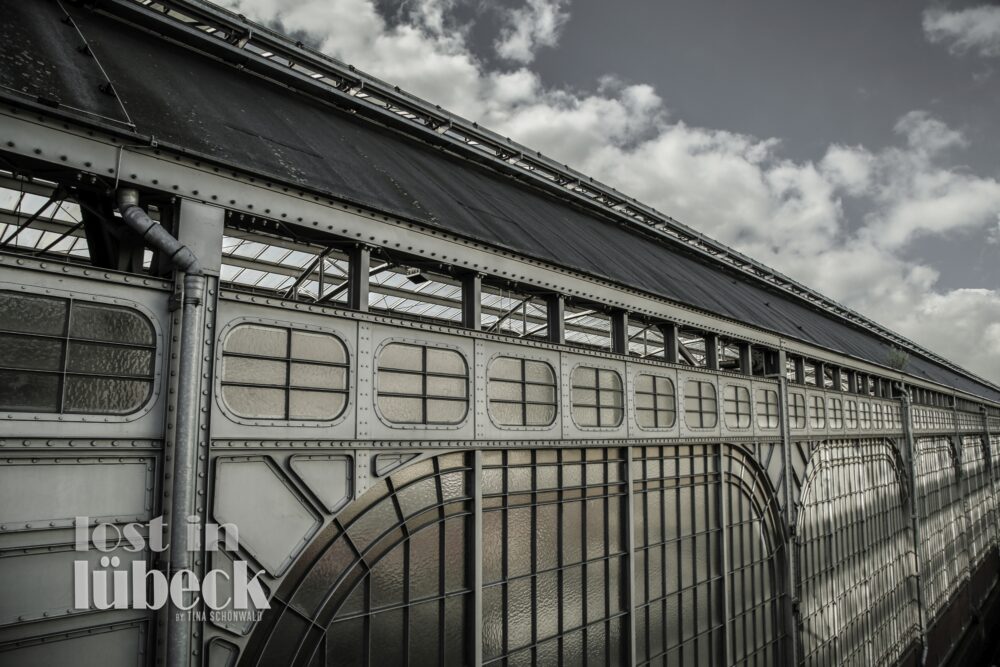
(465, 405)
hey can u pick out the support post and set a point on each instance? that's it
(477, 557)
(671, 351)
(555, 312)
(358, 269)
(746, 359)
(472, 300)
(630, 546)
(619, 332)
(852, 381)
(790, 611)
(800, 370)
(911, 469)
(712, 351)
(820, 377)
(837, 375)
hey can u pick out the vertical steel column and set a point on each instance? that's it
(791, 563)
(472, 301)
(630, 509)
(800, 370)
(838, 377)
(746, 359)
(671, 351)
(852, 381)
(555, 315)
(712, 351)
(820, 378)
(358, 271)
(477, 557)
(619, 332)
(722, 504)
(911, 469)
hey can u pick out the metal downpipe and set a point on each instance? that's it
(186, 426)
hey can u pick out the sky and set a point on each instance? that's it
(852, 146)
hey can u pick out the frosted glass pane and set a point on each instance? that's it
(585, 416)
(31, 353)
(324, 377)
(258, 341)
(509, 391)
(401, 410)
(611, 417)
(101, 395)
(610, 380)
(400, 383)
(314, 404)
(446, 387)
(397, 355)
(317, 347)
(644, 383)
(445, 361)
(109, 359)
(538, 371)
(446, 412)
(255, 402)
(507, 414)
(253, 371)
(32, 314)
(108, 323)
(24, 391)
(506, 368)
(541, 394)
(541, 415)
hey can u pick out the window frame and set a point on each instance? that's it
(656, 395)
(797, 411)
(573, 405)
(424, 345)
(851, 413)
(702, 398)
(349, 365)
(816, 411)
(87, 299)
(524, 383)
(771, 409)
(835, 413)
(737, 402)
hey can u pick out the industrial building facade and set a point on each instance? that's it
(459, 404)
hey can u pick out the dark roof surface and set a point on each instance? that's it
(201, 104)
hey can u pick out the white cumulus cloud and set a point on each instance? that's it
(530, 27)
(976, 29)
(734, 187)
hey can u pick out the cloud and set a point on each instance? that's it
(530, 27)
(734, 187)
(976, 29)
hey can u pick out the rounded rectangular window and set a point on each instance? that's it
(767, 408)
(65, 356)
(418, 384)
(851, 414)
(280, 373)
(865, 413)
(736, 405)
(701, 405)
(836, 410)
(796, 411)
(817, 412)
(877, 416)
(655, 402)
(521, 392)
(597, 397)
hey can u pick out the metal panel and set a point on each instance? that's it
(99, 647)
(50, 492)
(330, 478)
(273, 520)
